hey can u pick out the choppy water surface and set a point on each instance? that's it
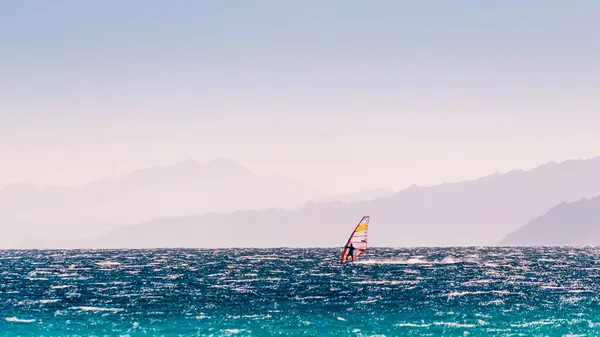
(249, 292)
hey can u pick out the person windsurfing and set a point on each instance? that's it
(350, 251)
(358, 236)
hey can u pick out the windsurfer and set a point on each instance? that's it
(350, 251)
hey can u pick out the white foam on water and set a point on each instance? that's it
(391, 282)
(413, 325)
(477, 282)
(455, 325)
(19, 320)
(231, 332)
(479, 292)
(85, 308)
(417, 261)
(49, 301)
(571, 300)
(323, 274)
(526, 324)
(393, 261)
(107, 263)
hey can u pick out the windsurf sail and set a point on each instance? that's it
(358, 239)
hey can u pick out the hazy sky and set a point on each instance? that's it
(340, 95)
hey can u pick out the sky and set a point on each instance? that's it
(339, 95)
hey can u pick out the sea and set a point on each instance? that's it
(475, 291)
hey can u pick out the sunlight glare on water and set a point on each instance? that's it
(253, 292)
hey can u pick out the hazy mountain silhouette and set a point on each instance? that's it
(188, 187)
(362, 195)
(476, 212)
(567, 224)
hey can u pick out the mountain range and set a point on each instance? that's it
(567, 224)
(468, 213)
(187, 187)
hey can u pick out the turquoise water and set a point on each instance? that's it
(301, 292)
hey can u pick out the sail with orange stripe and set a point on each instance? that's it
(358, 239)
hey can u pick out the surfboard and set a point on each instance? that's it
(358, 239)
